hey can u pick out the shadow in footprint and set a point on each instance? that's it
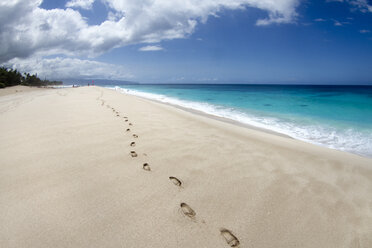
(146, 167)
(187, 210)
(128, 129)
(135, 136)
(229, 237)
(126, 120)
(133, 144)
(175, 181)
(130, 124)
(133, 154)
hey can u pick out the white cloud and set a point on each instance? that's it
(27, 29)
(340, 23)
(364, 31)
(28, 33)
(361, 5)
(65, 68)
(207, 79)
(84, 4)
(41, 31)
(150, 48)
(337, 23)
(320, 20)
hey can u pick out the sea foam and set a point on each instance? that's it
(349, 140)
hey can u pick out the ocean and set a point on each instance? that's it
(338, 117)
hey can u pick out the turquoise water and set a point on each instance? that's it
(338, 117)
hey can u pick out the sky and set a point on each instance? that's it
(190, 41)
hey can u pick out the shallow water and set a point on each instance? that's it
(338, 117)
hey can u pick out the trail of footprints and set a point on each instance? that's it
(185, 209)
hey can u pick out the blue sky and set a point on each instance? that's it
(319, 42)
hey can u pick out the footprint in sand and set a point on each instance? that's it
(146, 167)
(128, 129)
(135, 136)
(187, 210)
(229, 237)
(133, 144)
(126, 120)
(176, 181)
(130, 124)
(133, 154)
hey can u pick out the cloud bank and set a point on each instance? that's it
(26, 29)
(66, 68)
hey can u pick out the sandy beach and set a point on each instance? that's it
(91, 167)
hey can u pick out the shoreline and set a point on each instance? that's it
(92, 167)
(218, 118)
(241, 124)
(237, 124)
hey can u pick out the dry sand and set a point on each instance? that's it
(68, 178)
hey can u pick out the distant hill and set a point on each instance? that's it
(97, 82)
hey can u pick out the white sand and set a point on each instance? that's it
(67, 178)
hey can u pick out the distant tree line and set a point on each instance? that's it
(10, 77)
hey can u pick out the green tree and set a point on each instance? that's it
(10, 77)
